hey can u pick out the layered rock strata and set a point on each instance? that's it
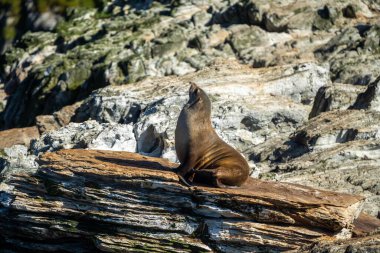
(120, 201)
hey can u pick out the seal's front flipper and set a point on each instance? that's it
(183, 180)
(183, 172)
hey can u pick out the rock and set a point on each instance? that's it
(47, 123)
(126, 42)
(335, 97)
(338, 127)
(307, 115)
(364, 244)
(350, 167)
(153, 105)
(366, 225)
(137, 203)
(90, 134)
(244, 37)
(3, 97)
(18, 136)
(350, 54)
(350, 11)
(325, 18)
(46, 21)
(337, 150)
(15, 160)
(369, 99)
(324, 131)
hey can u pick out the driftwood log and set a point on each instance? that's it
(90, 201)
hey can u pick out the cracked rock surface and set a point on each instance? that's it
(294, 87)
(119, 201)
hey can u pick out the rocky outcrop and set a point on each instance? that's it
(307, 113)
(119, 201)
(16, 159)
(130, 40)
(268, 103)
(370, 98)
(349, 167)
(18, 136)
(366, 244)
(366, 225)
(48, 123)
(90, 134)
(337, 150)
(268, 123)
(337, 96)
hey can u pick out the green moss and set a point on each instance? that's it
(102, 15)
(301, 10)
(39, 199)
(62, 28)
(148, 23)
(78, 75)
(268, 176)
(2, 153)
(58, 6)
(15, 6)
(321, 24)
(136, 69)
(37, 39)
(14, 55)
(9, 32)
(61, 5)
(72, 226)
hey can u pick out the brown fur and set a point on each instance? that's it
(204, 157)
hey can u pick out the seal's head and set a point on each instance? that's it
(198, 99)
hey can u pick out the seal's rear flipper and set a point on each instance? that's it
(221, 185)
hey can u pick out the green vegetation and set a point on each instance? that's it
(61, 5)
(13, 11)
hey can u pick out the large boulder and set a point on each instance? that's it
(267, 103)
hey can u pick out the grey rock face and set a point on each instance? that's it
(351, 55)
(350, 167)
(337, 96)
(336, 150)
(90, 134)
(130, 41)
(339, 127)
(361, 244)
(17, 160)
(370, 99)
(267, 104)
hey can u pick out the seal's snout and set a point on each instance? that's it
(193, 88)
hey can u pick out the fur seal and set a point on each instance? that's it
(204, 156)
